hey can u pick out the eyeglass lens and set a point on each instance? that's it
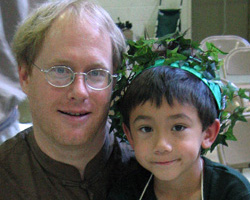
(62, 76)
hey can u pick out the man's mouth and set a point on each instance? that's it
(73, 114)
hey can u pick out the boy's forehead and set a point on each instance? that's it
(150, 108)
(153, 103)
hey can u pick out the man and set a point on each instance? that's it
(68, 52)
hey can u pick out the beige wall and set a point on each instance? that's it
(143, 13)
(208, 18)
(202, 17)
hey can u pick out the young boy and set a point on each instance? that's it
(169, 115)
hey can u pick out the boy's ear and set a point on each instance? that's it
(23, 77)
(114, 82)
(210, 134)
(128, 134)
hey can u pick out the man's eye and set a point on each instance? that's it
(60, 70)
(178, 128)
(94, 73)
(97, 73)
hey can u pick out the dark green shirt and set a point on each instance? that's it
(27, 173)
(220, 183)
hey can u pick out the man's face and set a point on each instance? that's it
(76, 114)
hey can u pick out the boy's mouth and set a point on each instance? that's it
(166, 162)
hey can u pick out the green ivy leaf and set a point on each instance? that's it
(174, 47)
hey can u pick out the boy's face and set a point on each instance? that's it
(167, 140)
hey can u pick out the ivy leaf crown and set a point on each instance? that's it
(144, 53)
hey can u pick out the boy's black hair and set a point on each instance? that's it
(174, 84)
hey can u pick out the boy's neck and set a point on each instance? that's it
(188, 187)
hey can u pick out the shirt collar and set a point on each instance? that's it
(70, 173)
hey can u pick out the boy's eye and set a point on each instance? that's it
(178, 128)
(146, 129)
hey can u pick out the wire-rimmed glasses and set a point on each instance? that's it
(63, 76)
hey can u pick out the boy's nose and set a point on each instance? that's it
(162, 145)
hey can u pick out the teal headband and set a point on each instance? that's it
(214, 87)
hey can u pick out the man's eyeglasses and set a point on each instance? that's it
(63, 76)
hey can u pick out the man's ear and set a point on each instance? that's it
(23, 77)
(210, 134)
(128, 134)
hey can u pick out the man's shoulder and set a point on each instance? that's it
(14, 148)
(15, 156)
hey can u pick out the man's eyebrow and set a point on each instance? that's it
(69, 63)
(97, 64)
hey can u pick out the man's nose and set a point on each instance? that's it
(79, 89)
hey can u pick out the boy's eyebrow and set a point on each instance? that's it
(180, 115)
(141, 117)
(171, 117)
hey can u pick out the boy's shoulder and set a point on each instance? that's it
(223, 182)
(136, 178)
(131, 185)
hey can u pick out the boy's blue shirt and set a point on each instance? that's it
(220, 183)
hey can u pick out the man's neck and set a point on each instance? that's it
(77, 156)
